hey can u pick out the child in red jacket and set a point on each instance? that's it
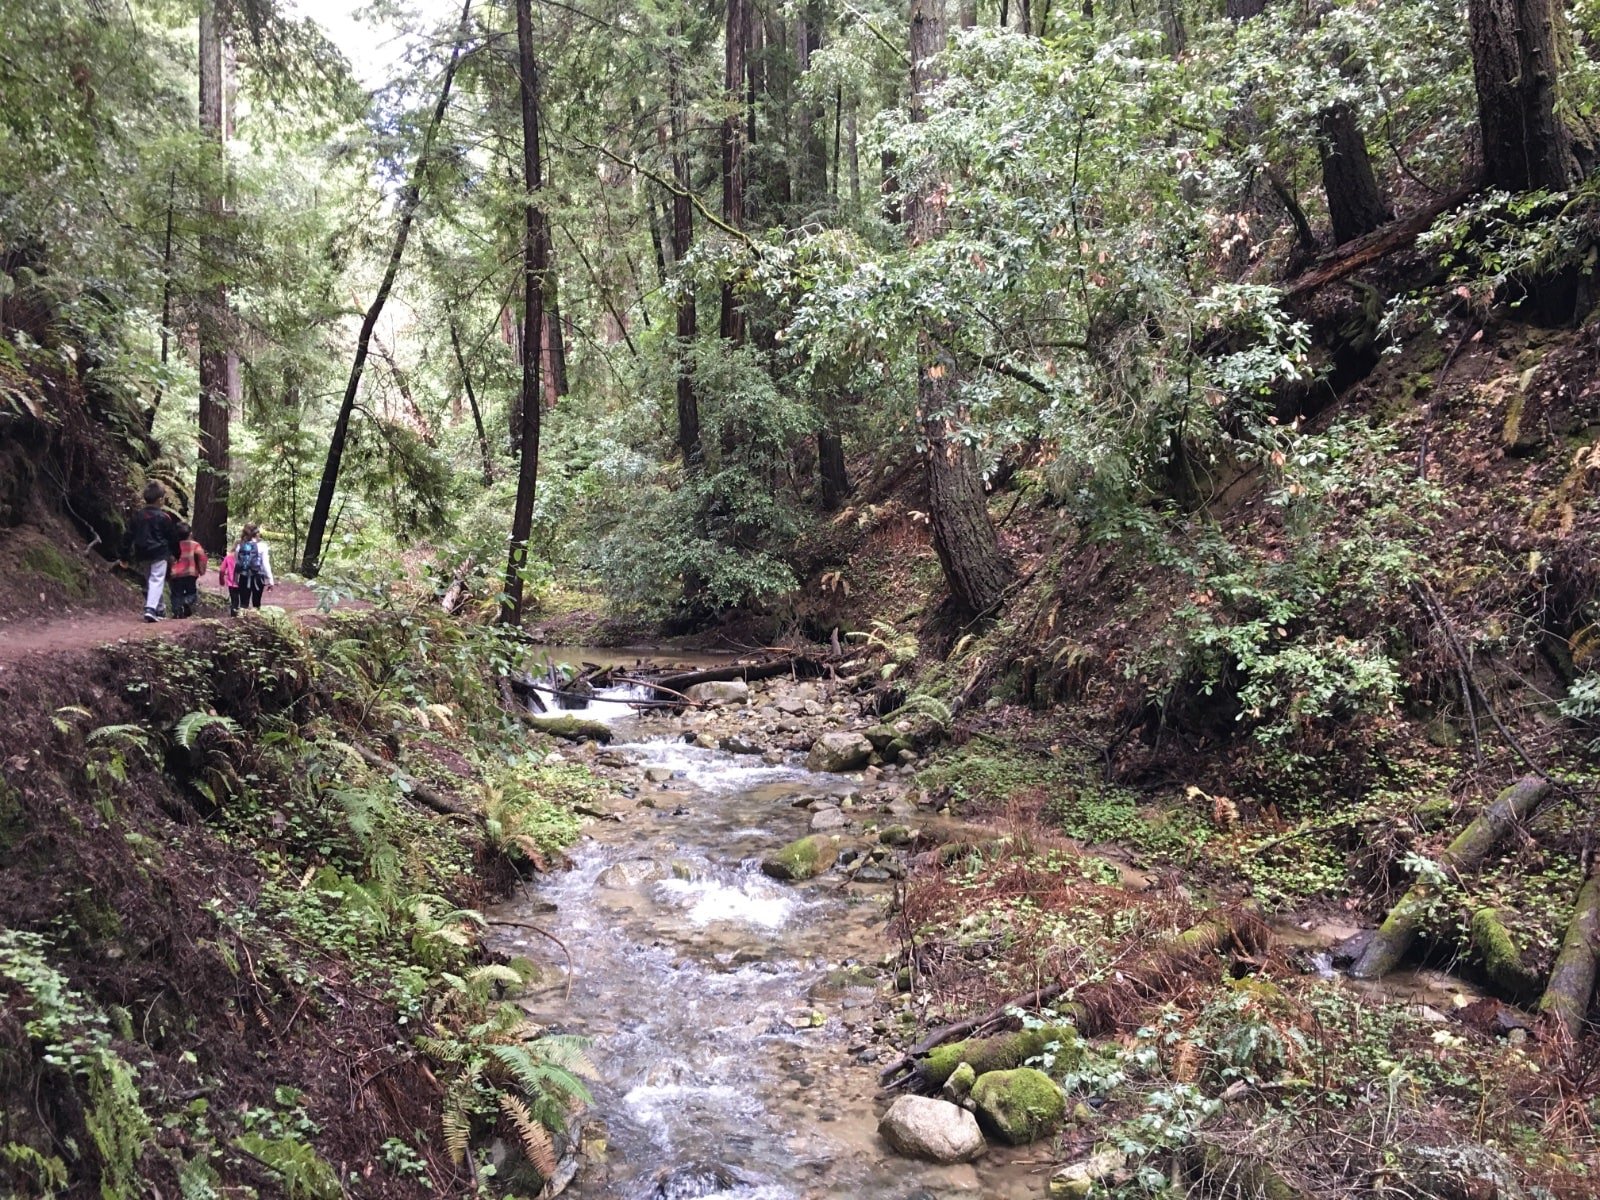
(186, 572)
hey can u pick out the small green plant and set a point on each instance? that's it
(305, 1174)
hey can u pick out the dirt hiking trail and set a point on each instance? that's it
(20, 639)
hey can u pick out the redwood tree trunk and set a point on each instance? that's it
(211, 480)
(311, 561)
(736, 47)
(1516, 56)
(689, 443)
(1243, 10)
(535, 263)
(1355, 202)
(963, 535)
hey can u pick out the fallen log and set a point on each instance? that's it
(1571, 986)
(416, 789)
(749, 672)
(570, 728)
(1405, 920)
(1368, 249)
(1095, 1007)
(1502, 957)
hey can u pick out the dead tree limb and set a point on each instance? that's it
(1380, 243)
(1406, 919)
(1571, 986)
(438, 801)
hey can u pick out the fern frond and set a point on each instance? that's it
(191, 725)
(534, 1137)
(456, 1125)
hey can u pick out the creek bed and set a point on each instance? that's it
(727, 1010)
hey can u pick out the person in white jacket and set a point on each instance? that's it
(252, 566)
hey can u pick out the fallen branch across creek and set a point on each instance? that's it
(1095, 1006)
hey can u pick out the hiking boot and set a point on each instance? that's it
(152, 615)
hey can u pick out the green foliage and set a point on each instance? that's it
(304, 1173)
(72, 1041)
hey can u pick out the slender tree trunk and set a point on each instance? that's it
(811, 182)
(1516, 60)
(963, 535)
(1173, 31)
(736, 46)
(472, 403)
(210, 516)
(855, 159)
(831, 465)
(689, 443)
(166, 302)
(535, 267)
(311, 562)
(1355, 203)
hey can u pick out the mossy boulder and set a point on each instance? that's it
(999, 1053)
(804, 858)
(1018, 1106)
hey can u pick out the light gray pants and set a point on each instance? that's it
(155, 579)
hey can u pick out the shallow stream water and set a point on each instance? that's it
(727, 1010)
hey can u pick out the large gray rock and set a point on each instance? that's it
(935, 1130)
(839, 750)
(828, 818)
(720, 692)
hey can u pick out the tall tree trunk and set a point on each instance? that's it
(535, 267)
(963, 535)
(736, 47)
(1516, 60)
(1243, 10)
(831, 465)
(1355, 203)
(311, 562)
(689, 443)
(166, 301)
(969, 14)
(472, 403)
(1173, 31)
(210, 517)
(811, 179)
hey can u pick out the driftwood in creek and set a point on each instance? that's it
(1405, 920)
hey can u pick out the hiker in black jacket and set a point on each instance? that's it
(153, 543)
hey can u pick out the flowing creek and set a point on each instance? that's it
(727, 1010)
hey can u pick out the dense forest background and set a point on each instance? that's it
(768, 254)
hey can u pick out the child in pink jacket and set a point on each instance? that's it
(226, 577)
